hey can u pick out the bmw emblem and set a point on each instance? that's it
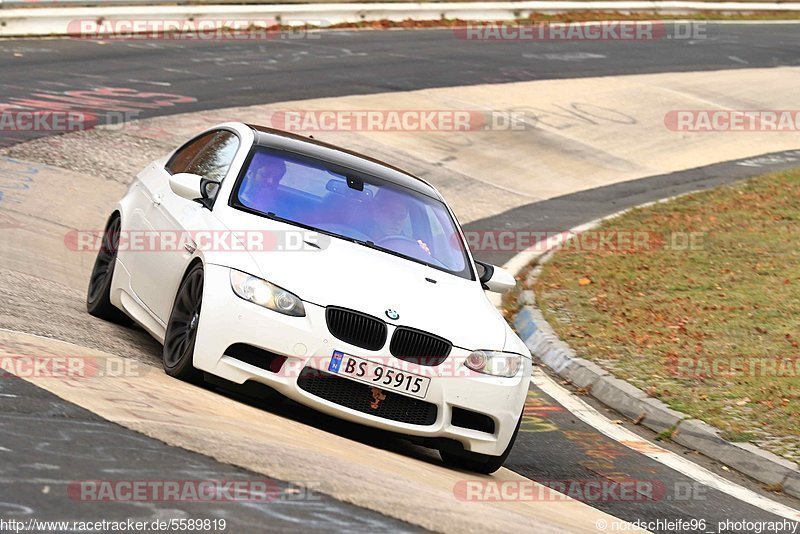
(393, 315)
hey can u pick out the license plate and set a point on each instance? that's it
(382, 376)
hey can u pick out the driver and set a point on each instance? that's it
(260, 188)
(390, 214)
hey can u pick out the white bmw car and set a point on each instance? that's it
(339, 281)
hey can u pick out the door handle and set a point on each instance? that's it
(157, 200)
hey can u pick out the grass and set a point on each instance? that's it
(666, 434)
(712, 330)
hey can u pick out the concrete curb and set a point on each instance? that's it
(59, 21)
(636, 405)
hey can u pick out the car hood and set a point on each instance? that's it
(354, 276)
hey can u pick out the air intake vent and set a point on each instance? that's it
(260, 358)
(473, 420)
(356, 328)
(419, 347)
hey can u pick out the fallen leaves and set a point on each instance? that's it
(731, 304)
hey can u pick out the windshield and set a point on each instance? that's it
(353, 206)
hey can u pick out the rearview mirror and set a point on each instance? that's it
(495, 279)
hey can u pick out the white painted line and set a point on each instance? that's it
(618, 433)
(545, 246)
(541, 248)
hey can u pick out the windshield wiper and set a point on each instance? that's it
(364, 243)
(271, 215)
(373, 246)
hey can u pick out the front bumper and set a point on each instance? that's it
(307, 344)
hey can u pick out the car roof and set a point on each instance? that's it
(291, 142)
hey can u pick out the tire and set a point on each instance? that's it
(479, 463)
(98, 295)
(178, 354)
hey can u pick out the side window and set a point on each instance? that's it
(209, 156)
(183, 158)
(215, 159)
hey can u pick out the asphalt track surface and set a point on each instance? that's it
(553, 445)
(49, 446)
(221, 74)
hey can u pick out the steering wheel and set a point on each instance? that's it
(407, 245)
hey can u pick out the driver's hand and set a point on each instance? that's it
(424, 246)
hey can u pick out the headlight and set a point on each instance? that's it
(263, 293)
(492, 362)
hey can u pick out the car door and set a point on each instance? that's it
(174, 219)
(141, 261)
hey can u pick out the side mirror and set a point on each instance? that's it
(186, 185)
(209, 188)
(194, 187)
(495, 279)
